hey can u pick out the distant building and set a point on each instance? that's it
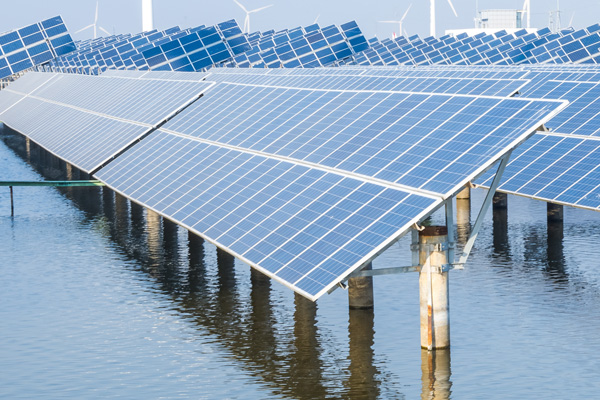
(490, 21)
(500, 19)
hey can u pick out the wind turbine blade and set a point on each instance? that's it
(260, 9)
(316, 19)
(407, 10)
(96, 17)
(571, 20)
(452, 6)
(247, 23)
(83, 29)
(241, 6)
(105, 31)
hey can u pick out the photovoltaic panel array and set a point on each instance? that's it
(499, 48)
(87, 121)
(307, 48)
(33, 45)
(297, 79)
(199, 50)
(308, 185)
(114, 52)
(564, 180)
(562, 165)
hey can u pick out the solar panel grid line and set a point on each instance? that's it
(372, 254)
(251, 263)
(511, 146)
(291, 238)
(550, 161)
(132, 91)
(196, 184)
(576, 159)
(295, 161)
(89, 111)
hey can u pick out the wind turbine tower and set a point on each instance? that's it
(147, 16)
(432, 15)
(527, 9)
(248, 12)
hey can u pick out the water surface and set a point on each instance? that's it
(101, 299)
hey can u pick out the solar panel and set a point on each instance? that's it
(298, 79)
(307, 185)
(33, 45)
(87, 120)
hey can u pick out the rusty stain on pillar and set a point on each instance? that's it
(360, 291)
(433, 288)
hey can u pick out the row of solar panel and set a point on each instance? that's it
(114, 115)
(306, 185)
(33, 45)
(501, 47)
(577, 84)
(223, 44)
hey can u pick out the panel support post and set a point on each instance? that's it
(360, 291)
(12, 203)
(555, 212)
(464, 194)
(433, 288)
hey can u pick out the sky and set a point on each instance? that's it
(124, 16)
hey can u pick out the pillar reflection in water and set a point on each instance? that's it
(170, 239)
(137, 220)
(555, 251)
(500, 233)
(306, 369)
(362, 383)
(226, 306)
(196, 278)
(121, 218)
(435, 374)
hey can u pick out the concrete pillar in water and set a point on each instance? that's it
(153, 229)
(435, 374)
(121, 217)
(500, 201)
(28, 148)
(360, 291)
(555, 212)
(463, 219)
(464, 194)
(226, 266)
(69, 171)
(433, 288)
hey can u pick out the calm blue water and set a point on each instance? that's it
(100, 300)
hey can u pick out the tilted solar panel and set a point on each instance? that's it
(87, 120)
(33, 45)
(308, 185)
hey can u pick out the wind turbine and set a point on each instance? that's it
(398, 22)
(527, 9)
(432, 16)
(147, 16)
(95, 25)
(247, 19)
